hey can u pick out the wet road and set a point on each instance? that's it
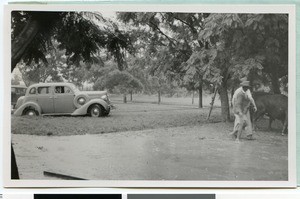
(203, 152)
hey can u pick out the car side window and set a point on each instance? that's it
(59, 89)
(32, 90)
(43, 90)
(62, 89)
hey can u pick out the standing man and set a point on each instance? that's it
(241, 101)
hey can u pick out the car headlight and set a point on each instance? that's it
(81, 101)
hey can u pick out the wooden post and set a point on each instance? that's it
(212, 103)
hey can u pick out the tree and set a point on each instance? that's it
(47, 71)
(76, 32)
(217, 49)
(215, 60)
(15, 80)
(169, 44)
(99, 70)
(75, 74)
(122, 80)
(237, 49)
(158, 84)
(271, 42)
(36, 73)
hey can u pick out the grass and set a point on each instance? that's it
(140, 114)
(126, 117)
(180, 101)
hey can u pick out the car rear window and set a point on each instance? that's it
(32, 90)
(43, 90)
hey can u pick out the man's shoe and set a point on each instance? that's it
(250, 137)
(233, 135)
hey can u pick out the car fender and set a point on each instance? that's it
(34, 105)
(19, 102)
(84, 108)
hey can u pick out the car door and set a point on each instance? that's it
(45, 99)
(63, 99)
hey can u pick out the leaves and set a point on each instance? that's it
(81, 34)
(161, 49)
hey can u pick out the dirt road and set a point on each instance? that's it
(202, 152)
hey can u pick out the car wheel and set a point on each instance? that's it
(31, 112)
(95, 111)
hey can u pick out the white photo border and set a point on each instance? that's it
(232, 8)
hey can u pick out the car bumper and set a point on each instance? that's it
(111, 106)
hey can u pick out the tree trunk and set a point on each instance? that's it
(232, 93)
(275, 82)
(159, 97)
(131, 96)
(224, 102)
(21, 42)
(124, 98)
(200, 96)
(193, 97)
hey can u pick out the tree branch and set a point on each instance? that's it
(171, 40)
(21, 42)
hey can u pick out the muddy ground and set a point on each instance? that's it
(145, 141)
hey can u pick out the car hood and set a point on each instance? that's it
(94, 93)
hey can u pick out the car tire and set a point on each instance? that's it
(96, 111)
(30, 112)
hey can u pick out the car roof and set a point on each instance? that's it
(52, 84)
(18, 86)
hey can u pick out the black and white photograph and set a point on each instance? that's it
(151, 95)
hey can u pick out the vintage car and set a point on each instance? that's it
(16, 92)
(62, 99)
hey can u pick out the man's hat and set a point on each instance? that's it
(245, 83)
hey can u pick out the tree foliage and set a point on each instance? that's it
(78, 33)
(122, 80)
(15, 80)
(162, 51)
(214, 49)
